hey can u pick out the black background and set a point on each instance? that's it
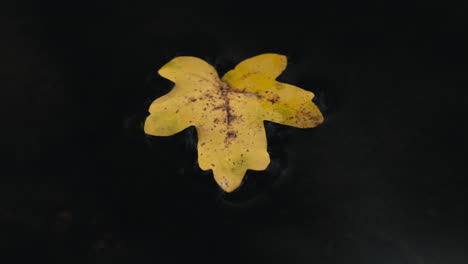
(381, 181)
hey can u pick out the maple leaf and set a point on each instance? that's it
(229, 113)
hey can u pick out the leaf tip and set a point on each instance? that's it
(227, 182)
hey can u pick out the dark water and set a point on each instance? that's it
(381, 181)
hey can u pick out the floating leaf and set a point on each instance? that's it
(228, 113)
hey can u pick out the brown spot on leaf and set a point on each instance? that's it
(275, 99)
(231, 117)
(245, 76)
(231, 134)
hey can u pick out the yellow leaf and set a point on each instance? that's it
(228, 113)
